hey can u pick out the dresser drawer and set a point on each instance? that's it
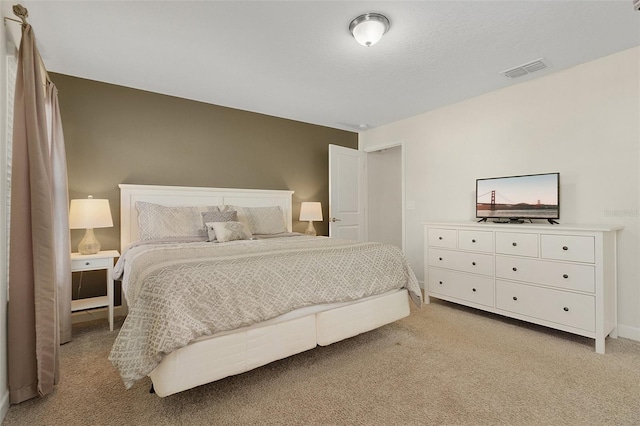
(570, 309)
(90, 264)
(475, 240)
(442, 237)
(515, 243)
(471, 288)
(562, 275)
(462, 261)
(568, 247)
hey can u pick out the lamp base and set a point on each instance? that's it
(311, 230)
(89, 244)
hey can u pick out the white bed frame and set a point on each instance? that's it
(225, 354)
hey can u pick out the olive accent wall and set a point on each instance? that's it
(115, 134)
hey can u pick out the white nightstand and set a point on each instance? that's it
(95, 262)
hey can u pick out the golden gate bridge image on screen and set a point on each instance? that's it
(498, 205)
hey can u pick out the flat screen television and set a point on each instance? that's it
(515, 198)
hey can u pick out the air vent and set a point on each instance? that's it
(516, 72)
(528, 68)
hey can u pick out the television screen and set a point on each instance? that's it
(519, 197)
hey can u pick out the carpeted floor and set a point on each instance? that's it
(445, 364)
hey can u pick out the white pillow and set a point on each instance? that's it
(156, 221)
(228, 216)
(261, 220)
(230, 231)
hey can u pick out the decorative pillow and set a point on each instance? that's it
(207, 217)
(230, 231)
(156, 221)
(261, 220)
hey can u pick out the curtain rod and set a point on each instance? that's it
(21, 12)
(14, 20)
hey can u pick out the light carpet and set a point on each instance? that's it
(444, 364)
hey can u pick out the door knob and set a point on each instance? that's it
(334, 219)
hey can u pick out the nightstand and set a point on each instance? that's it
(95, 262)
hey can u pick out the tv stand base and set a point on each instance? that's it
(512, 220)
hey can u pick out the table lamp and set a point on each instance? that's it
(311, 211)
(89, 213)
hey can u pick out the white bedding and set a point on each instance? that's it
(175, 295)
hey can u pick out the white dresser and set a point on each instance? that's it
(559, 276)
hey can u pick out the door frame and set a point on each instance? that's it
(374, 148)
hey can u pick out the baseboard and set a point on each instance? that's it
(628, 332)
(4, 404)
(94, 314)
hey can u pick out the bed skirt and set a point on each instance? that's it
(213, 358)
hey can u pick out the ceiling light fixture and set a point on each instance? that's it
(369, 28)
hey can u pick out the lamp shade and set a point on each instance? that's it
(90, 213)
(311, 211)
(369, 28)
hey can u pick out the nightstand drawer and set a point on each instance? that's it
(90, 264)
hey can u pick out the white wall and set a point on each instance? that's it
(582, 122)
(384, 196)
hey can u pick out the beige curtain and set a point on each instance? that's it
(59, 192)
(37, 214)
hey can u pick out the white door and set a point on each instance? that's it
(346, 193)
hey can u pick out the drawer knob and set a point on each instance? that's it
(514, 244)
(565, 309)
(439, 238)
(473, 241)
(515, 269)
(439, 258)
(565, 248)
(440, 282)
(474, 290)
(515, 298)
(565, 276)
(473, 263)
(87, 263)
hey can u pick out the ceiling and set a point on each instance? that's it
(297, 59)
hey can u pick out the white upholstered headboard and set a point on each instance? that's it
(193, 196)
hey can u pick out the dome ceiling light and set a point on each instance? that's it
(369, 28)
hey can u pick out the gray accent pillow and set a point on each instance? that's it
(208, 217)
(156, 221)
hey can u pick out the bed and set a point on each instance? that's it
(305, 281)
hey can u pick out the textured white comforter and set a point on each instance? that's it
(177, 292)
